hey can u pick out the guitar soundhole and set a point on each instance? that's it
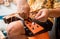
(30, 25)
(37, 26)
(33, 28)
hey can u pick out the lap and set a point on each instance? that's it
(16, 31)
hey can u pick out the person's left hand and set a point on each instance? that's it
(23, 9)
(42, 15)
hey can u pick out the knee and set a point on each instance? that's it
(15, 28)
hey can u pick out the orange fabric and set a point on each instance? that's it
(41, 36)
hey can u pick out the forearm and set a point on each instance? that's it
(54, 12)
(21, 2)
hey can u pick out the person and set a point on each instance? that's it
(15, 29)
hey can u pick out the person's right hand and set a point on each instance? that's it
(43, 15)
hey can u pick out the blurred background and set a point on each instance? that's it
(4, 10)
(8, 7)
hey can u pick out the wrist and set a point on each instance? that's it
(50, 12)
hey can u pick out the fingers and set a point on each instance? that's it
(38, 14)
(42, 15)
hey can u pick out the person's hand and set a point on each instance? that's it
(23, 9)
(42, 15)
